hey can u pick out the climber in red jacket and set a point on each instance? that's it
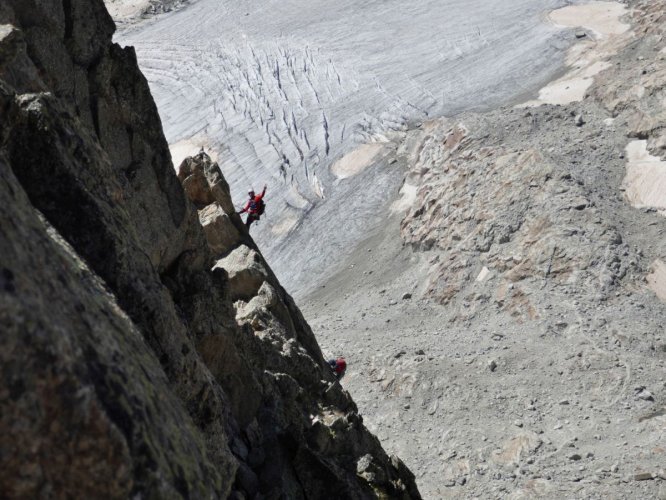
(254, 207)
(339, 367)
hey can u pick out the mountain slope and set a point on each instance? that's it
(505, 327)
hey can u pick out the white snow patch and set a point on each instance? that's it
(594, 69)
(355, 162)
(406, 200)
(586, 59)
(645, 181)
(564, 91)
(483, 275)
(603, 18)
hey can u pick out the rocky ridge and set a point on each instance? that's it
(148, 348)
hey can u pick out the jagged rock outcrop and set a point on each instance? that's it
(283, 349)
(511, 211)
(205, 186)
(125, 371)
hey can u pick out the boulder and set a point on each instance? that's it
(197, 189)
(247, 272)
(221, 233)
(204, 183)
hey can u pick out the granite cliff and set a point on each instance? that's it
(147, 348)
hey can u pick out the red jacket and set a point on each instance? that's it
(252, 205)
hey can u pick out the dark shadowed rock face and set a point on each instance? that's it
(147, 347)
(85, 408)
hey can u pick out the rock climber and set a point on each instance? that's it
(254, 207)
(339, 366)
